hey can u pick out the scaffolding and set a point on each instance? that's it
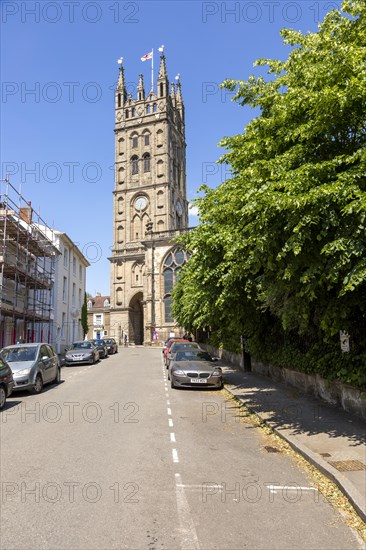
(27, 270)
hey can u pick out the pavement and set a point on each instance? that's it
(328, 437)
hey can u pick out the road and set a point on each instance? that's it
(113, 458)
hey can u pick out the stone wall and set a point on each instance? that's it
(333, 392)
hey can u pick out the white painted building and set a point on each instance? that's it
(68, 292)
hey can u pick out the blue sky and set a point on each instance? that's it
(58, 71)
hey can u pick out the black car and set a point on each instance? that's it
(6, 382)
(101, 347)
(111, 344)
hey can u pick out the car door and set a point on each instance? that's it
(46, 364)
(54, 360)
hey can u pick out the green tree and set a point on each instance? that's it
(283, 241)
(84, 317)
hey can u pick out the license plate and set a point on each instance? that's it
(198, 381)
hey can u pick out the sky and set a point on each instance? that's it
(58, 74)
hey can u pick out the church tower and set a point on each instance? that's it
(150, 207)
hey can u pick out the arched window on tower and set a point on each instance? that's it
(127, 114)
(147, 109)
(146, 139)
(135, 164)
(119, 296)
(121, 175)
(146, 162)
(119, 100)
(171, 266)
(133, 112)
(161, 89)
(120, 234)
(120, 146)
(120, 205)
(159, 138)
(160, 168)
(134, 141)
(155, 107)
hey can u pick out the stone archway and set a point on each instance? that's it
(136, 324)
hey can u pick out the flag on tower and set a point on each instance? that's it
(147, 56)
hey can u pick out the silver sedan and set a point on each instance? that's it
(82, 352)
(192, 368)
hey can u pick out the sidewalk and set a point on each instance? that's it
(329, 438)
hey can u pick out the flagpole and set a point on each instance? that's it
(152, 71)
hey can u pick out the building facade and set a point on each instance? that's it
(150, 208)
(98, 316)
(27, 275)
(68, 292)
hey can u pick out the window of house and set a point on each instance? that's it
(80, 303)
(74, 265)
(106, 303)
(90, 304)
(73, 294)
(64, 290)
(80, 273)
(66, 257)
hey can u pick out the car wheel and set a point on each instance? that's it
(2, 397)
(172, 385)
(38, 384)
(168, 376)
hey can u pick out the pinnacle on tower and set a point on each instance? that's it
(121, 88)
(172, 93)
(163, 82)
(141, 88)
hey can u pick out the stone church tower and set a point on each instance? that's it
(150, 208)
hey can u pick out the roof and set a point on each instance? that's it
(98, 301)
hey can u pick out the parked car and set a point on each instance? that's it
(32, 365)
(82, 352)
(168, 346)
(112, 345)
(176, 346)
(101, 347)
(193, 367)
(6, 382)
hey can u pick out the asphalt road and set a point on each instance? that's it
(113, 458)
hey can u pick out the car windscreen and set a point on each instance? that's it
(192, 355)
(81, 345)
(108, 341)
(13, 355)
(183, 345)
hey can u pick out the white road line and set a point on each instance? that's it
(175, 455)
(168, 402)
(170, 423)
(169, 411)
(172, 437)
(189, 539)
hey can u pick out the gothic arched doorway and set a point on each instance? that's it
(136, 320)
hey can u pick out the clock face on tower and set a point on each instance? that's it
(141, 203)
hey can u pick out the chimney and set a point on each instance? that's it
(25, 213)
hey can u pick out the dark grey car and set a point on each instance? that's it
(32, 365)
(192, 368)
(82, 352)
(112, 345)
(175, 347)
